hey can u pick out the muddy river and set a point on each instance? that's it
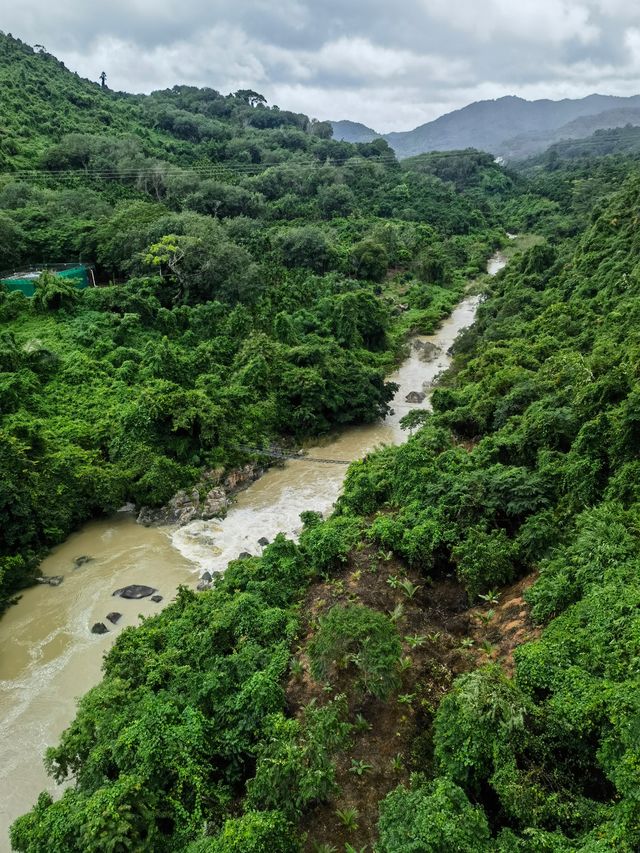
(48, 656)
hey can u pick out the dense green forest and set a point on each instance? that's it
(370, 687)
(253, 273)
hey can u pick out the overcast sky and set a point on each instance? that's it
(391, 65)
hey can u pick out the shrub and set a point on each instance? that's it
(327, 545)
(484, 560)
(294, 768)
(361, 637)
(254, 832)
(434, 818)
(483, 710)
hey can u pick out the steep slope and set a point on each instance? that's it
(42, 101)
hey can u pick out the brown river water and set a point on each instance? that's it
(49, 658)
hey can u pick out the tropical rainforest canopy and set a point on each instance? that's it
(258, 280)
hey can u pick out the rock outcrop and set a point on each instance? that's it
(208, 499)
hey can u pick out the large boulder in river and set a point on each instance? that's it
(99, 628)
(114, 617)
(80, 561)
(156, 599)
(135, 590)
(263, 541)
(415, 397)
(427, 351)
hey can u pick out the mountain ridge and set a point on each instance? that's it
(493, 125)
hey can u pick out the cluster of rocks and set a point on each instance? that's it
(134, 592)
(415, 397)
(51, 580)
(56, 580)
(204, 582)
(187, 505)
(206, 578)
(208, 499)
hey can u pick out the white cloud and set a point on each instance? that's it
(220, 58)
(542, 21)
(360, 58)
(405, 106)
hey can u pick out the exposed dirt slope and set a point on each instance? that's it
(442, 637)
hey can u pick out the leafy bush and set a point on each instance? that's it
(434, 818)
(254, 832)
(327, 545)
(359, 637)
(484, 560)
(483, 709)
(294, 768)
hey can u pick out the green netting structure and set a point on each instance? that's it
(25, 280)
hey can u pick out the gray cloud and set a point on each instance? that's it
(391, 66)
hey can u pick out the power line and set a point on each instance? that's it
(166, 168)
(163, 167)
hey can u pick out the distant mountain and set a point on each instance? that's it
(509, 127)
(353, 131)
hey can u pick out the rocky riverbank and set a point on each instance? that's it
(209, 498)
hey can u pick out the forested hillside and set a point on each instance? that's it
(399, 706)
(602, 124)
(616, 140)
(251, 274)
(449, 662)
